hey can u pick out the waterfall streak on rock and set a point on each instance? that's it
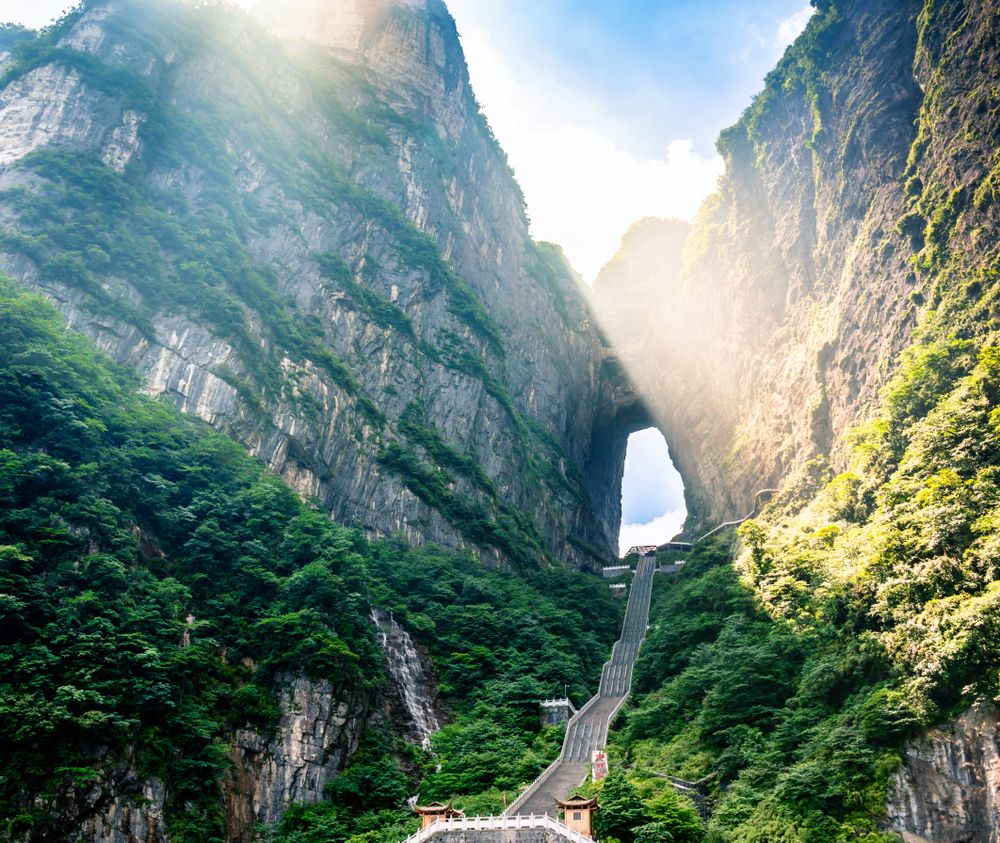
(408, 671)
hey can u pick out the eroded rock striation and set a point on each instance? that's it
(316, 735)
(783, 311)
(948, 787)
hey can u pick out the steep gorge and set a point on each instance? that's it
(316, 246)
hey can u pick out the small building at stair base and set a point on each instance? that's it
(430, 814)
(578, 814)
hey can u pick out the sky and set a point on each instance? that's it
(608, 113)
(652, 492)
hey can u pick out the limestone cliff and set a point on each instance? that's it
(318, 247)
(317, 732)
(948, 787)
(856, 219)
(782, 313)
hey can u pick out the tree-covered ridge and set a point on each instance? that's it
(197, 225)
(862, 610)
(157, 586)
(121, 520)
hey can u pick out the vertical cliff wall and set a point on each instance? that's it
(782, 312)
(318, 247)
(948, 787)
(858, 201)
(829, 326)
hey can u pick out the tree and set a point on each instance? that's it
(622, 810)
(675, 820)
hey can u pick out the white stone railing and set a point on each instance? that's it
(503, 823)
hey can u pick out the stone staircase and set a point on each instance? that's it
(532, 817)
(588, 730)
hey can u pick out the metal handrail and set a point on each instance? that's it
(738, 521)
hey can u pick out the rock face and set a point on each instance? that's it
(857, 216)
(780, 318)
(317, 733)
(321, 250)
(315, 736)
(130, 820)
(948, 787)
(318, 248)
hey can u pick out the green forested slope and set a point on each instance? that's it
(863, 608)
(156, 582)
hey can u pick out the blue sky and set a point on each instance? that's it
(609, 111)
(657, 69)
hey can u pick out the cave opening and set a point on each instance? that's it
(652, 492)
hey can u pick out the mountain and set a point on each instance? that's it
(317, 247)
(299, 283)
(856, 187)
(828, 329)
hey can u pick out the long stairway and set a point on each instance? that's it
(588, 730)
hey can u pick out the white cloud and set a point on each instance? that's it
(583, 191)
(791, 27)
(583, 188)
(657, 531)
(33, 13)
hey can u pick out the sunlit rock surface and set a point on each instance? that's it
(379, 93)
(777, 319)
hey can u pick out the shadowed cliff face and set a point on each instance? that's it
(319, 248)
(947, 787)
